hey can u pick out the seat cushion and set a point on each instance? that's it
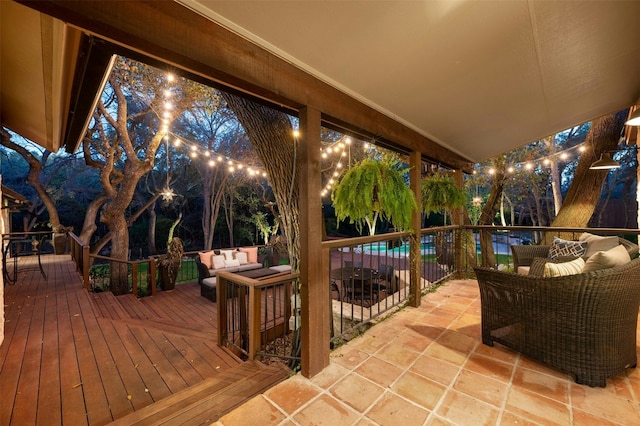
(616, 256)
(281, 268)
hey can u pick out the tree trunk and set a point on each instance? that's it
(584, 192)
(152, 228)
(33, 177)
(490, 210)
(556, 188)
(271, 134)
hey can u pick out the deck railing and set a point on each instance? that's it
(369, 276)
(259, 318)
(80, 255)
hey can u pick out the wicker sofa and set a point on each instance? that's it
(523, 255)
(583, 324)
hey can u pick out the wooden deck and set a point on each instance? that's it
(73, 357)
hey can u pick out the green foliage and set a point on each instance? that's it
(372, 188)
(440, 192)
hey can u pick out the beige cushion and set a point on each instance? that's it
(616, 256)
(205, 258)
(523, 270)
(231, 263)
(563, 269)
(242, 257)
(228, 254)
(217, 261)
(252, 253)
(598, 243)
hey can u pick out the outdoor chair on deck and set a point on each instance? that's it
(583, 324)
(387, 280)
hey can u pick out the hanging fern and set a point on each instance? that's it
(440, 192)
(375, 189)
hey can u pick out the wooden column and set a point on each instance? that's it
(415, 176)
(314, 292)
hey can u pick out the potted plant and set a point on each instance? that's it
(170, 264)
(59, 239)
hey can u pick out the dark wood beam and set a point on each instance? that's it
(186, 40)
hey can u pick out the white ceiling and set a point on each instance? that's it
(479, 77)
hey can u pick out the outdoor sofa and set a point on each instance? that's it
(230, 260)
(523, 255)
(583, 324)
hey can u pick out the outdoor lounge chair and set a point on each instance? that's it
(583, 324)
(523, 255)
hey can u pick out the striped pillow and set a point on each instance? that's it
(562, 269)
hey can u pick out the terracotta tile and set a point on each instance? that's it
(325, 410)
(413, 340)
(457, 341)
(510, 419)
(369, 343)
(356, 391)
(489, 367)
(425, 330)
(379, 371)
(349, 358)
(537, 408)
(459, 408)
(531, 364)
(437, 350)
(329, 375)
(497, 352)
(436, 320)
(292, 393)
(393, 410)
(435, 369)
(397, 355)
(420, 390)
(257, 411)
(481, 387)
(364, 422)
(582, 418)
(548, 386)
(603, 403)
(434, 420)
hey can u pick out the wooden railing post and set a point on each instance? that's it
(85, 266)
(151, 279)
(254, 321)
(221, 298)
(134, 279)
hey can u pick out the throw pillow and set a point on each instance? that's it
(231, 263)
(564, 248)
(205, 258)
(228, 254)
(242, 257)
(537, 265)
(598, 243)
(563, 269)
(252, 253)
(616, 256)
(217, 261)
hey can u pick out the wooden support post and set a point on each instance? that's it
(151, 279)
(314, 292)
(254, 322)
(415, 256)
(222, 304)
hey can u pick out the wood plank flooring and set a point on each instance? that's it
(73, 357)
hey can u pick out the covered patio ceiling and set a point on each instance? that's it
(469, 79)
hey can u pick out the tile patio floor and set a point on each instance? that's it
(427, 366)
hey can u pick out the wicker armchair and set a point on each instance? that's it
(523, 255)
(584, 325)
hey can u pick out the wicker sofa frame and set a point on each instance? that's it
(584, 325)
(523, 255)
